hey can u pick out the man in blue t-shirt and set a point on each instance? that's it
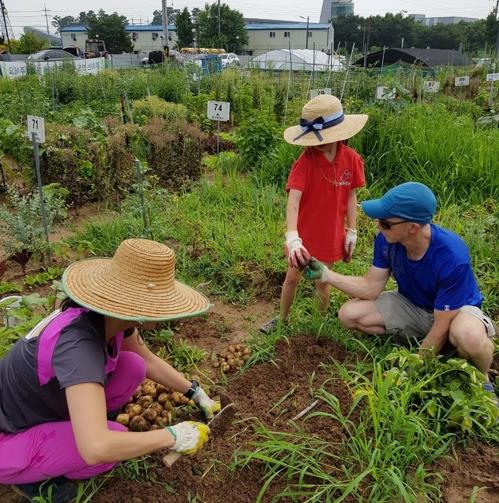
(438, 300)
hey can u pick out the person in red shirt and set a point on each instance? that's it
(321, 194)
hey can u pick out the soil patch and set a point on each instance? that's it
(256, 393)
(475, 466)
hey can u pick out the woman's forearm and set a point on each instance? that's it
(162, 372)
(112, 446)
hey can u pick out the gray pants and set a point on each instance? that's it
(408, 323)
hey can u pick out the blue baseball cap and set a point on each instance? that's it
(411, 201)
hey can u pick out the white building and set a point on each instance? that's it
(262, 37)
(144, 37)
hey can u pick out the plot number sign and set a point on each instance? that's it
(36, 125)
(218, 110)
(431, 86)
(462, 81)
(384, 93)
(492, 77)
(317, 92)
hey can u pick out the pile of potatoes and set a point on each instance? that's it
(233, 358)
(152, 407)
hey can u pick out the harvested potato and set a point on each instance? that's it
(145, 400)
(138, 423)
(162, 421)
(150, 415)
(123, 419)
(157, 407)
(149, 389)
(135, 410)
(163, 398)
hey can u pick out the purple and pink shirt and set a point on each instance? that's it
(70, 349)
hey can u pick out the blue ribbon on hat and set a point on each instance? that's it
(320, 123)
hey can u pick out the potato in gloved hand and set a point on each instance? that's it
(316, 270)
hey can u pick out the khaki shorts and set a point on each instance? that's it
(405, 321)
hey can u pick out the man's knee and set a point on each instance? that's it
(469, 337)
(348, 314)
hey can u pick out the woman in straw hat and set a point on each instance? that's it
(322, 200)
(84, 361)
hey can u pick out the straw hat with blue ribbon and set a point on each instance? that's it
(138, 283)
(323, 121)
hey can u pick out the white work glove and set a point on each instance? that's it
(189, 436)
(350, 242)
(208, 406)
(295, 249)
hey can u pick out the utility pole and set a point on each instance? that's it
(306, 34)
(497, 27)
(166, 43)
(306, 41)
(47, 21)
(219, 42)
(4, 11)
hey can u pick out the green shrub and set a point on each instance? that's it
(22, 225)
(152, 106)
(174, 151)
(276, 165)
(256, 138)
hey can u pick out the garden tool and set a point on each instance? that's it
(217, 425)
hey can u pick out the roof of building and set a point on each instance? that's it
(426, 57)
(74, 28)
(287, 26)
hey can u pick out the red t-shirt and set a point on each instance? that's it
(325, 188)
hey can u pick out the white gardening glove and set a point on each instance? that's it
(296, 258)
(350, 242)
(189, 436)
(208, 406)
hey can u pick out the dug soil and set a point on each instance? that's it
(258, 394)
(255, 393)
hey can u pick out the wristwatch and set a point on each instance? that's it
(190, 392)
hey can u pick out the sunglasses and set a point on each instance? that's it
(386, 225)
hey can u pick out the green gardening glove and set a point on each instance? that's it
(315, 270)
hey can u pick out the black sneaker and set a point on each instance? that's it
(268, 327)
(60, 489)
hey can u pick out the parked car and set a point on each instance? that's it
(51, 55)
(229, 59)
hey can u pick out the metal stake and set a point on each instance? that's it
(40, 192)
(140, 183)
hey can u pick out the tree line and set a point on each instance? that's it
(395, 30)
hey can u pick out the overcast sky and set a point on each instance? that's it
(30, 12)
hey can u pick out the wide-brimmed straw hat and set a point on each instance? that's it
(137, 284)
(323, 121)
